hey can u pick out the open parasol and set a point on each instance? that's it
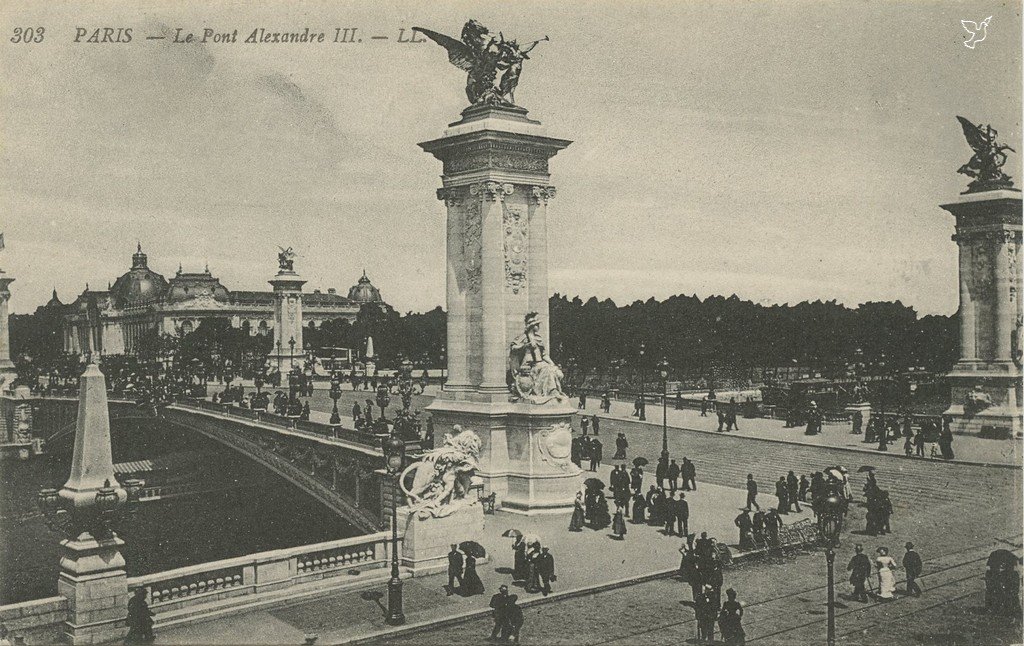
(640, 462)
(512, 533)
(472, 548)
(593, 484)
(864, 468)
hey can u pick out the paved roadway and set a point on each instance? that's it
(954, 513)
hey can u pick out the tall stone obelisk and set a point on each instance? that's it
(985, 383)
(288, 347)
(496, 187)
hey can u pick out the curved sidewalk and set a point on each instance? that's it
(968, 449)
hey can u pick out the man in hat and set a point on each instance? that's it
(499, 603)
(673, 475)
(860, 570)
(689, 473)
(455, 562)
(545, 569)
(752, 492)
(913, 566)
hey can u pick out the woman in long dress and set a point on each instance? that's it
(619, 525)
(577, 520)
(471, 583)
(886, 580)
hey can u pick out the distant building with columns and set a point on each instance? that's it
(113, 321)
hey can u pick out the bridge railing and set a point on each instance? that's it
(177, 590)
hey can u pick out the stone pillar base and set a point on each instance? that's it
(524, 460)
(864, 408)
(94, 582)
(1000, 381)
(427, 541)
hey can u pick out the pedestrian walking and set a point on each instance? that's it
(859, 569)
(913, 566)
(500, 605)
(886, 579)
(661, 472)
(919, 441)
(946, 440)
(793, 487)
(752, 492)
(520, 568)
(668, 513)
(577, 520)
(545, 570)
(707, 613)
(782, 493)
(636, 478)
(595, 423)
(471, 585)
(639, 508)
(619, 525)
(730, 620)
(455, 565)
(673, 475)
(805, 484)
(621, 444)
(585, 424)
(721, 419)
(583, 400)
(140, 619)
(682, 514)
(746, 527)
(595, 453)
(689, 473)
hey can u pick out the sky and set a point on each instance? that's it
(780, 151)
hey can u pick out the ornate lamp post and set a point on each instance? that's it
(291, 353)
(394, 453)
(663, 370)
(335, 395)
(383, 399)
(830, 560)
(405, 384)
(643, 405)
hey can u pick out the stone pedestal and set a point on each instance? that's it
(7, 372)
(988, 234)
(427, 541)
(94, 581)
(496, 190)
(864, 408)
(288, 349)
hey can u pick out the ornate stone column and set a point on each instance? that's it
(288, 347)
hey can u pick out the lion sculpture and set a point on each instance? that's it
(443, 478)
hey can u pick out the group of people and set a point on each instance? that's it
(533, 565)
(586, 447)
(861, 567)
(761, 529)
(933, 433)
(462, 569)
(701, 567)
(668, 474)
(727, 416)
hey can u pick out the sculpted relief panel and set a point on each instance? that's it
(517, 237)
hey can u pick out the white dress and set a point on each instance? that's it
(886, 579)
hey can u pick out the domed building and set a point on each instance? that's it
(142, 301)
(364, 292)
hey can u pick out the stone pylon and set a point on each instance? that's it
(288, 349)
(370, 360)
(92, 569)
(7, 372)
(496, 189)
(986, 380)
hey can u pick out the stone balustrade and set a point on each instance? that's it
(225, 583)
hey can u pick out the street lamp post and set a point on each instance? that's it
(394, 453)
(663, 370)
(335, 395)
(291, 353)
(830, 559)
(643, 404)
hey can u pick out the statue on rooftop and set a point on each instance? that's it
(484, 57)
(986, 166)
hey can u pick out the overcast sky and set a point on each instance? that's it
(777, 150)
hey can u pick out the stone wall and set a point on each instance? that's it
(35, 622)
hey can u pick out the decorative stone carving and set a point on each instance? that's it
(555, 446)
(449, 195)
(517, 238)
(472, 231)
(533, 377)
(443, 477)
(542, 193)
(491, 191)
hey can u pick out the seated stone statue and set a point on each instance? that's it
(533, 376)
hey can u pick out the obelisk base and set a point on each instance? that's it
(94, 581)
(525, 458)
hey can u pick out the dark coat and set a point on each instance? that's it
(682, 509)
(912, 564)
(859, 568)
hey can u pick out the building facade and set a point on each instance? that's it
(115, 320)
